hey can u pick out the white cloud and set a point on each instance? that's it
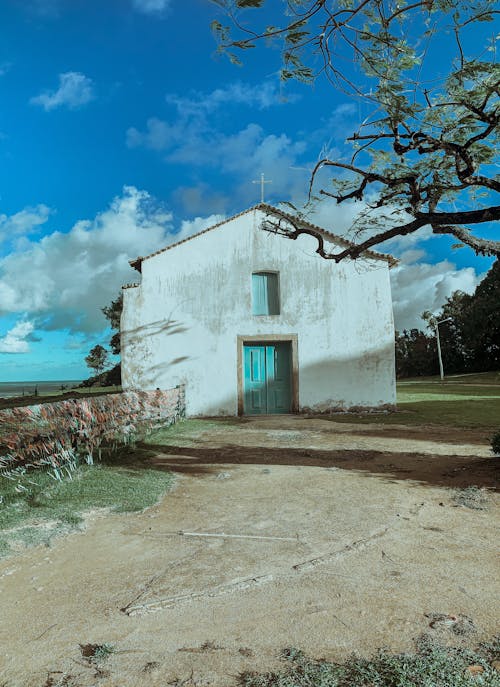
(5, 67)
(159, 135)
(261, 96)
(407, 257)
(243, 154)
(191, 127)
(334, 217)
(403, 246)
(75, 89)
(190, 227)
(422, 286)
(15, 341)
(64, 279)
(24, 222)
(201, 198)
(151, 6)
(193, 137)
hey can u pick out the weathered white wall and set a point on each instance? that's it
(181, 324)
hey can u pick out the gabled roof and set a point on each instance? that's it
(137, 262)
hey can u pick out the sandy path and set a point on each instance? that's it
(328, 558)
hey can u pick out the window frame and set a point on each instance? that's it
(266, 273)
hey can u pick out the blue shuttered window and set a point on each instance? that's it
(265, 293)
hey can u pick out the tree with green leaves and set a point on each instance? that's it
(112, 313)
(484, 320)
(472, 339)
(456, 346)
(426, 155)
(469, 334)
(97, 359)
(416, 354)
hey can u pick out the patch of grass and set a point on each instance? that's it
(450, 392)
(182, 432)
(492, 377)
(31, 536)
(37, 498)
(451, 405)
(480, 414)
(464, 413)
(431, 666)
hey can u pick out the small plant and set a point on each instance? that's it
(151, 666)
(495, 443)
(102, 652)
(97, 653)
(461, 625)
(431, 665)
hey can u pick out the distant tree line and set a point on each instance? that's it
(470, 340)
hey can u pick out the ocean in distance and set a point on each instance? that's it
(12, 389)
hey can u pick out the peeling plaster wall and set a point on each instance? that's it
(180, 326)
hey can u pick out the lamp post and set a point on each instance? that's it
(436, 324)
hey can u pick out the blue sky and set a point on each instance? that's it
(120, 131)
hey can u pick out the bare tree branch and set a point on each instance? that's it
(441, 223)
(479, 245)
(425, 144)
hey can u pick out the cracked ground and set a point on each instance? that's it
(280, 531)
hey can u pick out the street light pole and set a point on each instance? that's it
(438, 341)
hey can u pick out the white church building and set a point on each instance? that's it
(252, 322)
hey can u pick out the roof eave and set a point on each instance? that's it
(338, 239)
(264, 207)
(136, 263)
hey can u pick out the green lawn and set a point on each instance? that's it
(454, 403)
(37, 507)
(467, 378)
(181, 433)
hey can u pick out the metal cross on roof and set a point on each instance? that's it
(262, 181)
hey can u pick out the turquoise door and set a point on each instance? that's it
(267, 380)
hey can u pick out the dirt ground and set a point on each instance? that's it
(283, 531)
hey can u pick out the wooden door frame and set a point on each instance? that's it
(266, 339)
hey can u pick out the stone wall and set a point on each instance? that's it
(58, 435)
